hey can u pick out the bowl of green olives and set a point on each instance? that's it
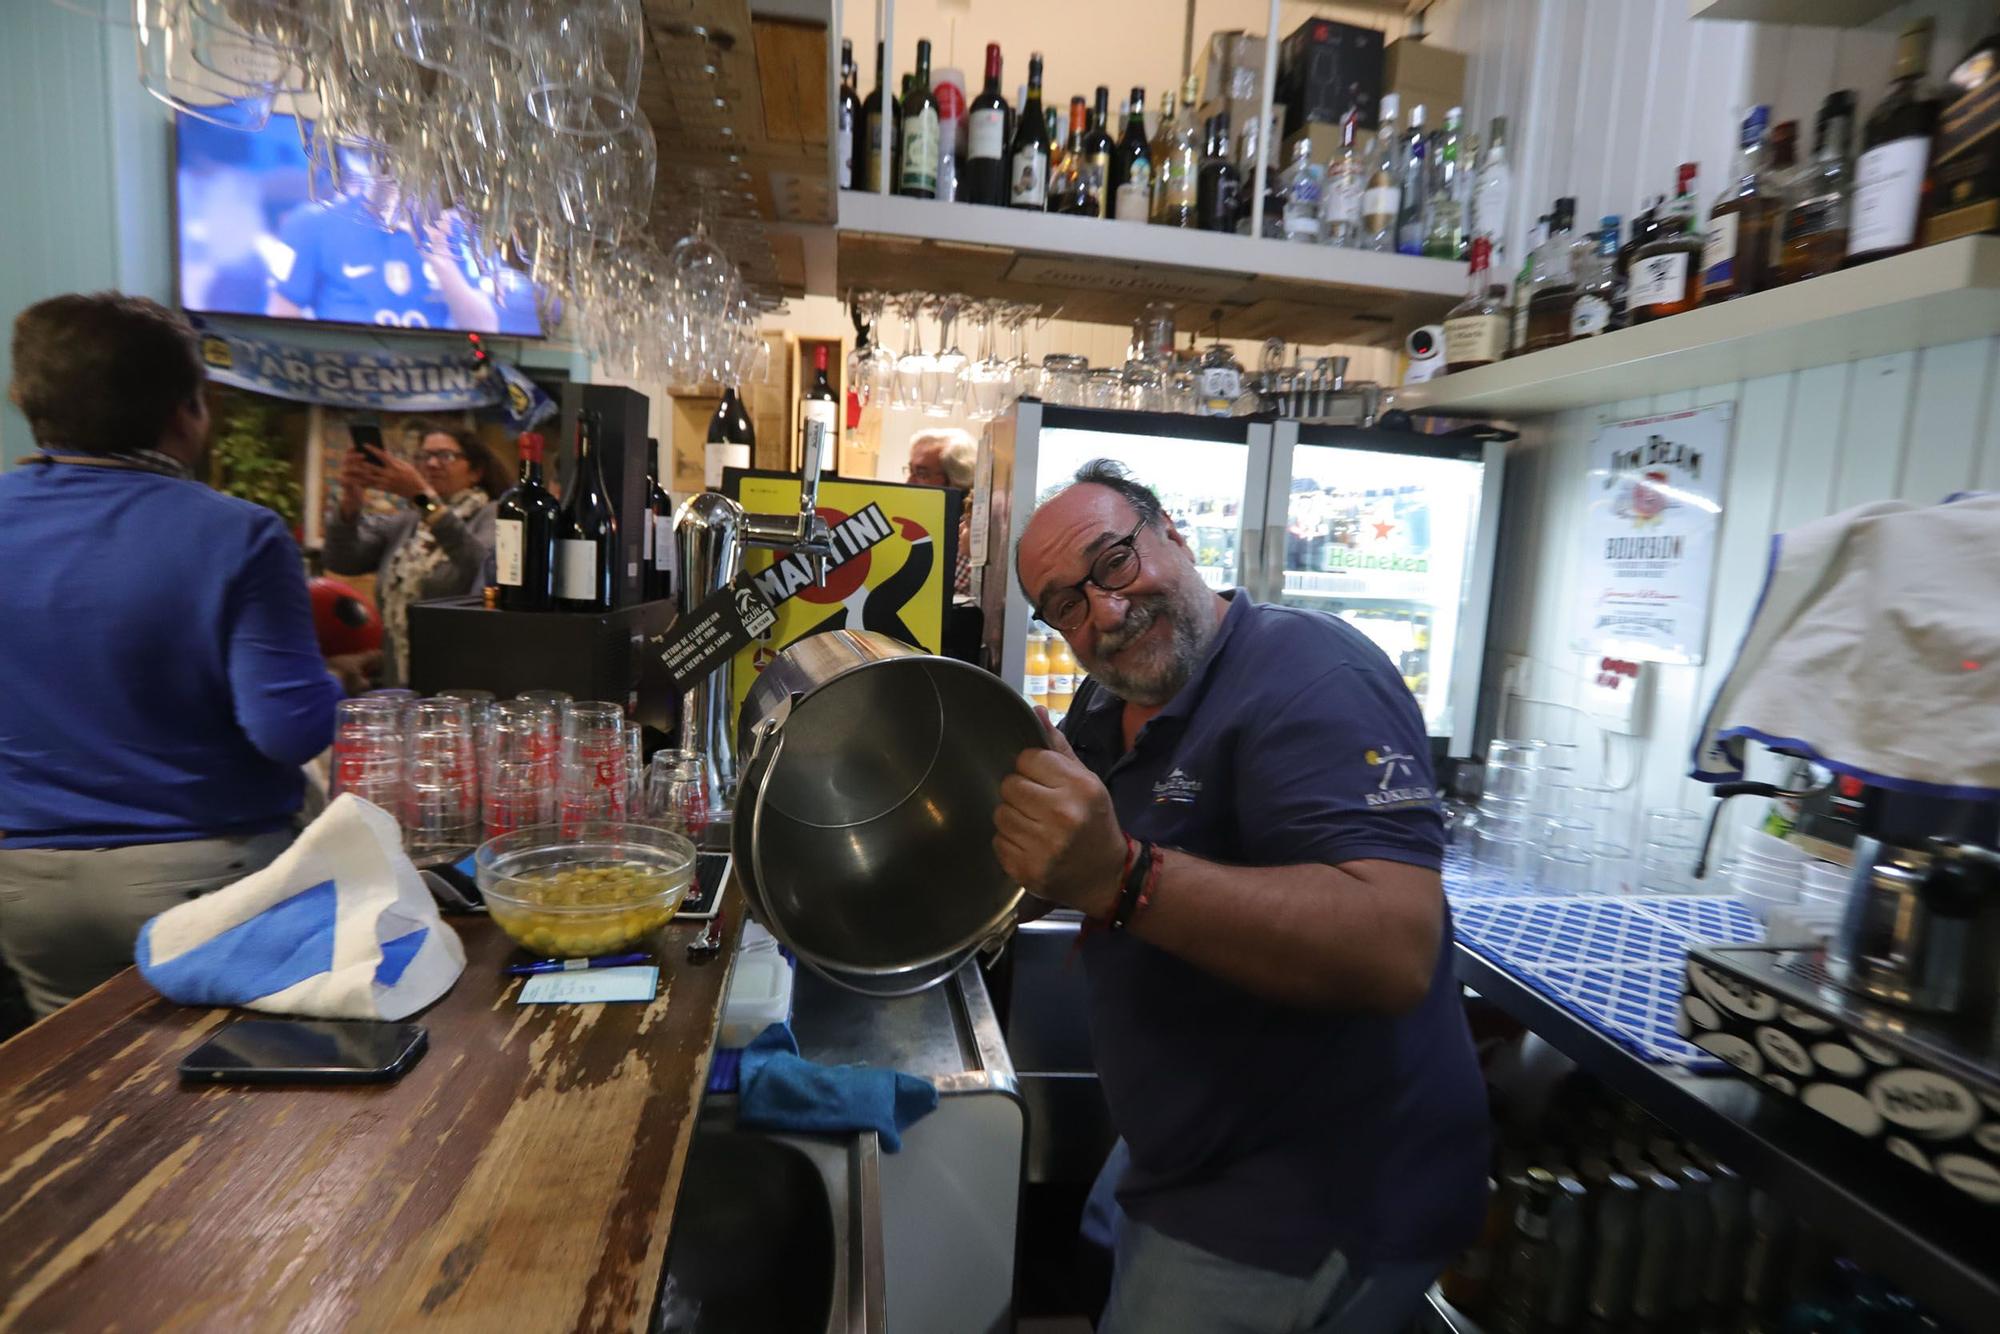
(599, 887)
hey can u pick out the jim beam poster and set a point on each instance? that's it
(1655, 504)
(893, 548)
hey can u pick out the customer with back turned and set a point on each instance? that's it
(1240, 799)
(160, 682)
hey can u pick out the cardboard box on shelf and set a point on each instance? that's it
(1242, 128)
(1422, 74)
(1325, 140)
(1326, 69)
(1234, 68)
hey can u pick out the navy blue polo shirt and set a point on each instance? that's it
(1264, 1133)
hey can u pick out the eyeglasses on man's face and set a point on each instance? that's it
(1115, 567)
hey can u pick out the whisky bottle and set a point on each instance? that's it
(1736, 246)
(1890, 176)
(1475, 332)
(1666, 273)
(1813, 239)
(1597, 294)
(1965, 162)
(1076, 188)
(1552, 282)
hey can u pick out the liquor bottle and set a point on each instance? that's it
(1415, 184)
(656, 556)
(1444, 236)
(1274, 180)
(1161, 150)
(1178, 171)
(984, 179)
(1097, 146)
(1517, 318)
(1892, 172)
(1217, 192)
(1736, 247)
(1304, 191)
(1382, 200)
(731, 438)
(1058, 145)
(1132, 166)
(872, 127)
(920, 131)
(1493, 194)
(1475, 332)
(525, 520)
(1346, 178)
(1666, 274)
(587, 545)
(1552, 282)
(1597, 295)
(819, 405)
(1965, 162)
(849, 117)
(1781, 158)
(1028, 161)
(1075, 188)
(1813, 239)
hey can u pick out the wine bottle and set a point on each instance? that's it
(525, 520)
(587, 549)
(1097, 146)
(656, 572)
(1220, 183)
(1028, 162)
(819, 405)
(871, 129)
(1132, 166)
(920, 131)
(985, 177)
(1076, 188)
(731, 438)
(1179, 168)
(850, 119)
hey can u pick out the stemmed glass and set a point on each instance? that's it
(914, 363)
(988, 378)
(872, 366)
(944, 378)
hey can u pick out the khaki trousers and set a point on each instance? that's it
(69, 916)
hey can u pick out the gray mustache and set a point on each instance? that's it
(1136, 623)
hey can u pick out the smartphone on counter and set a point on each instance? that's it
(366, 433)
(306, 1051)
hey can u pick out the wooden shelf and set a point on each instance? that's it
(1941, 294)
(1106, 272)
(1817, 13)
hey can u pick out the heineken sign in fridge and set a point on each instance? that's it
(1655, 502)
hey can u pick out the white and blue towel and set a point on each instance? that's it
(338, 927)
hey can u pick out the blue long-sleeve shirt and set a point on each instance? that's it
(159, 675)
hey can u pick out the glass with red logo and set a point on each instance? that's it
(593, 767)
(369, 743)
(441, 781)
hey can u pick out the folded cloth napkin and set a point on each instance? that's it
(1875, 651)
(340, 926)
(781, 1090)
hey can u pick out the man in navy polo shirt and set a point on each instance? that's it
(1241, 799)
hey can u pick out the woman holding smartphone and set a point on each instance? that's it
(435, 548)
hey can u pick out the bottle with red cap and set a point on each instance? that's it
(525, 523)
(820, 405)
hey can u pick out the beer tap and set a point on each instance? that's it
(711, 533)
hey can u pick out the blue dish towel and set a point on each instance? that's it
(781, 1090)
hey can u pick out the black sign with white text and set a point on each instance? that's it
(715, 632)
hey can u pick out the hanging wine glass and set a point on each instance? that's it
(914, 362)
(944, 378)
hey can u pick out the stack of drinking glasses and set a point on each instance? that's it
(1504, 824)
(1608, 813)
(594, 778)
(518, 770)
(441, 811)
(1671, 848)
(369, 744)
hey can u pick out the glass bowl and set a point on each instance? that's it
(599, 888)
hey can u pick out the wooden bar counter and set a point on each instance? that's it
(521, 1176)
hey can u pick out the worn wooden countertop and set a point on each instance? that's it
(521, 1176)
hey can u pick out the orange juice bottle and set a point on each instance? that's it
(1036, 687)
(1062, 675)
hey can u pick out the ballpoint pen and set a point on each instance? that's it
(574, 965)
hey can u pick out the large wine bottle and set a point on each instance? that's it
(656, 574)
(587, 550)
(819, 405)
(731, 438)
(1028, 169)
(525, 520)
(985, 177)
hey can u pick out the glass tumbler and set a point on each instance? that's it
(441, 787)
(677, 792)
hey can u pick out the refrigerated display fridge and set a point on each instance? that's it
(1392, 531)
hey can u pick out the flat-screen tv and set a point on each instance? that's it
(258, 237)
